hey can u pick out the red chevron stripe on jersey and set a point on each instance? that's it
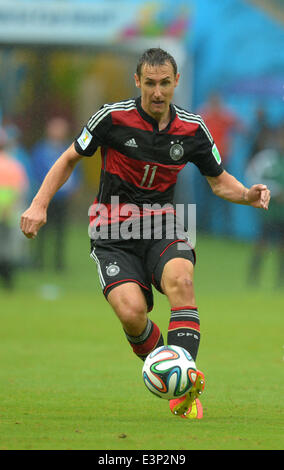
(110, 214)
(179, 127)
(131, 119)
(142, 174)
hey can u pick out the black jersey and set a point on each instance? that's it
(140, 163)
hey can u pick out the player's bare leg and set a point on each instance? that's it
(129, 304)
(184, 328)
(177, 282)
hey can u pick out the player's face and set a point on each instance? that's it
(157, 85)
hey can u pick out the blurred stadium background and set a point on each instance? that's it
(65, 58)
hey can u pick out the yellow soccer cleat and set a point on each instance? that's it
(189, 406)
(195, 411)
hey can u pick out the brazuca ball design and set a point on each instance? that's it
(169, 372)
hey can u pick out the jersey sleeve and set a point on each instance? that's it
(95, 133)
(205, 154)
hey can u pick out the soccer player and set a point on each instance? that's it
(144, 143)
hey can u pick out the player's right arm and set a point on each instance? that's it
(93, 135)
(36, 215)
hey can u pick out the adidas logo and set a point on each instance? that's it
(131, 143)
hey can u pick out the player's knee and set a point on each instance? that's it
(132, 315)
(177, 278)
(179, 284)
(179, 290)
(131, 311)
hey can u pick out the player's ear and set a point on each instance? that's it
(177, 79)
(137, 80)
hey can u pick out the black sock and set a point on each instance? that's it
(150, 339)
(184, 329)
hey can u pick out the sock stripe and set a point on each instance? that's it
(174, 325)
(190, 307)
(150, 339)
(184, 329)
(143, 336)
(147, 346)
(185, 314)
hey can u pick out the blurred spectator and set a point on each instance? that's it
(268, 164)
(222, 123)
(44, 155)
(17, 150)
(263, 133)
(13, 188)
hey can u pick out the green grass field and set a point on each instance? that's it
(69, 380)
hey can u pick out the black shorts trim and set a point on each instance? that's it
(141, 262)
(180, 241)
(123, 281)
(171, 252)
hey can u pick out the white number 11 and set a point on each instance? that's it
(147, 168)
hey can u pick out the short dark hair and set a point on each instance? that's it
(155, 56)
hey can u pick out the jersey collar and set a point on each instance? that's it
(150, 119)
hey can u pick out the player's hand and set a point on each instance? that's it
(32, 220)
(258, 196)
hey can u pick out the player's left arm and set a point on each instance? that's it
(228, 187)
